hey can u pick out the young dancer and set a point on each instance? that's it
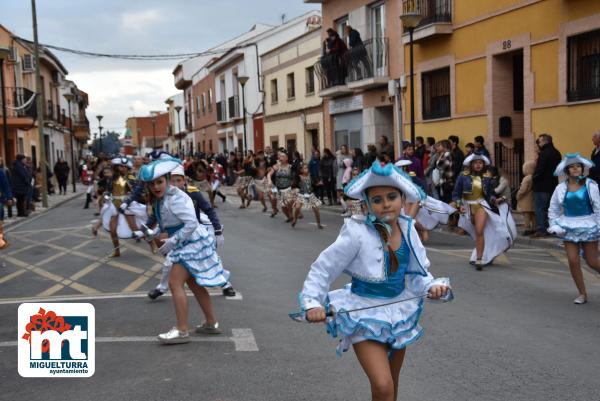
(281, 179)
(484, 215)
(574, 215)
(189, 250)
(262, 182)
(206, 216)
(387, 263)
(305, 198)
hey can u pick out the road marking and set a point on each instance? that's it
(51, 291)
(243, 340)
(503, 259)
(23, 248)
(45, 230)
(584, 269)
(102, 296)
(86, 270)
(11, 276)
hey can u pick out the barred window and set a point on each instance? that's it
(584, 66)
(436, 93)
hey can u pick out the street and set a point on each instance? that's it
(512, 333)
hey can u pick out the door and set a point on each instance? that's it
(378, 38)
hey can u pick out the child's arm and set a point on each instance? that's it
(328, 266)
(524, 188)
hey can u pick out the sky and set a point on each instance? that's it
(118, 89)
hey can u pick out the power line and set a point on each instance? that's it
(136, 57)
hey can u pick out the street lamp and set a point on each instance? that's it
(411, 18)
(178, 109)
(153, 133)
(242, 79)
(69, 97)
(3, 53)
(99, 117)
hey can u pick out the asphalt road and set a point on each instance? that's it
(512, 332)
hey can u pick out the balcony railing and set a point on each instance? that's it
(433, 11)
(234, 107)
(331, 70)
(20, 103)
(221, 111)
(368, 60)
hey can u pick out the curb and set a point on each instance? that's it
(36, 215)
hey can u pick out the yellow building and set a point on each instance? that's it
(293, 111)
(508, 70)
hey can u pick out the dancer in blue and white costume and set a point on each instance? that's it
(387, 263)
(188, 248)
(574, 215)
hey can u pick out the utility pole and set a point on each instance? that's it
(40, 109)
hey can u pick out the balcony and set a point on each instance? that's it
(81, 130)
(221, 111)
(21, 107)
(437, 18)
(368, 65)
(180, 82)
(234, 107)
(332, 71)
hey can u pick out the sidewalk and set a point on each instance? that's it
(53, 201)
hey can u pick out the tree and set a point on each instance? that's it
(110, 145)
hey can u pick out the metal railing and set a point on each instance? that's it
(368, 60)
(510, 160)
(331, 70)
(234, 107)
(222, 111)
(49, 110)
(20, 102)
(433, 11)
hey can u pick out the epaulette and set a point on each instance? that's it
(412, 174)
(487, 174)
(466, 172)
(192, 189)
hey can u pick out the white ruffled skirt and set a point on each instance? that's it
(199, 256)
(499, 233)
(109, 211)
(579, 229)
(308, 201)
(396, 325)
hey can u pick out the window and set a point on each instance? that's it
(291, 86)
(310, 80)
(340, 25)
(210, 100)
(583, 53)
(203, 103)
(210, 146)
(274, 96)
(197, 106)
(436, 93)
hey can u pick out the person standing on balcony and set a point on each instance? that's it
(358, 54)
(335, 64)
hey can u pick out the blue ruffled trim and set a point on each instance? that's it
(199, 277)
(211, 245)
(580, 234)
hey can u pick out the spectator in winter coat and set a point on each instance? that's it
(457, 155)
(415, 165)
(480, 146)
(594, 173)
(443, 165)
(525, 198)
(21, 184)
(61, 171)
(371, 155)
(544, 181)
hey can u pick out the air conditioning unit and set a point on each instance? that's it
(403, 81)
(28, 62)
(393, 89)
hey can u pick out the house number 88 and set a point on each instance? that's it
(506, 45)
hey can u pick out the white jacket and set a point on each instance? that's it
(558, 197)
(359, 252)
